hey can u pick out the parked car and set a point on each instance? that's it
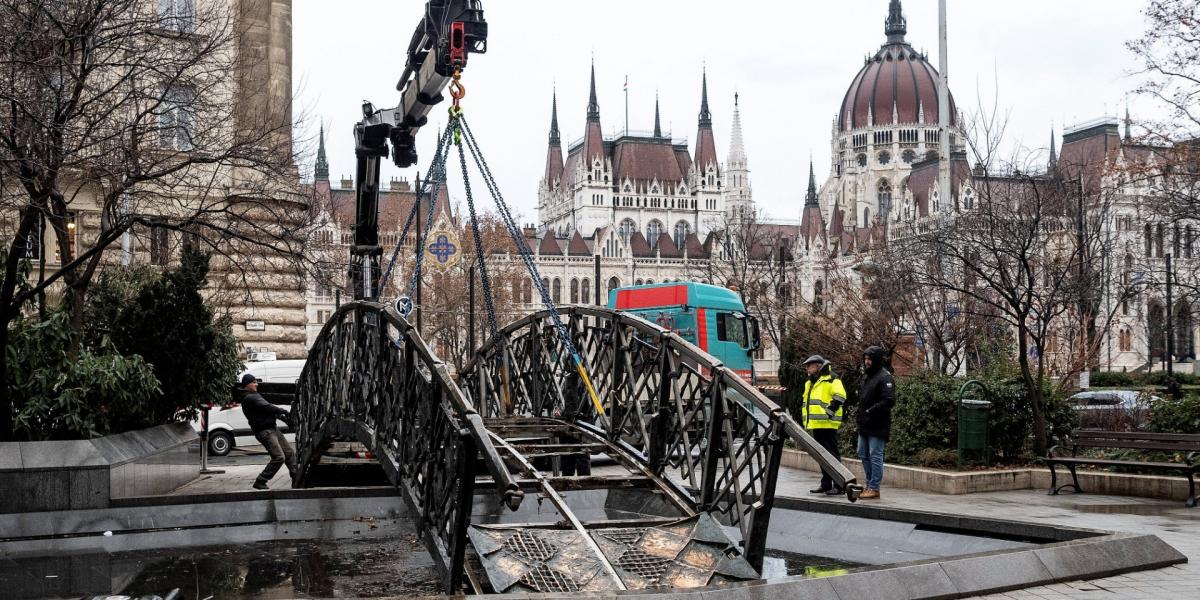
(278, 385)
(1112, 409)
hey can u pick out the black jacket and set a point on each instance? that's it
(260, 414)
(876, 397)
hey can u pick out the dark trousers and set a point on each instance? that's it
(828, 440)
(281, 454)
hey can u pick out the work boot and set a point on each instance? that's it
(820, 490)
(869, 495)
(260, 485)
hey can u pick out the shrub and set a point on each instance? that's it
(1111, 379)
(1176, 416)
(95, 392)
(165, 319)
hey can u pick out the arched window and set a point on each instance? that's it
(866, 217)
(653, 229)
(574, 291)
(682, 230)
(1127, 274)
(1185, 334)
(819, 296)
(613, 283)
(638, 282)
(1149, 241)
(1188, 244)
(649, 282)
(885, 197)
(1125, 340)
(586, 294)
(1158, 241)
(556, 294)
(627, 228)
(527, 291)
(1156, 331)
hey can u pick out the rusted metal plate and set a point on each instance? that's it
(538, 560)
(689, 553)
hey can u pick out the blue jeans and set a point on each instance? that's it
(870, 452)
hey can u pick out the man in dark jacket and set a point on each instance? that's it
(262, 416)
(875, 400)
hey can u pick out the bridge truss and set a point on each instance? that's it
(694, 450)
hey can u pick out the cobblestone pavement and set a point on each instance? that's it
(1169, 520)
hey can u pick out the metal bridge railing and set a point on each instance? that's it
(713, 436)
(371, 378)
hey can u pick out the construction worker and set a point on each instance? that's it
(824, 397)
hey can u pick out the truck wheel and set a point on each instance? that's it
(219, 443)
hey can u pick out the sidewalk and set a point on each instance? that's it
(1169, 520)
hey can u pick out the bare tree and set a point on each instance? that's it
(756, 259)
(116, 117)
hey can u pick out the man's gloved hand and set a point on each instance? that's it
(834, 407)
(287, 419)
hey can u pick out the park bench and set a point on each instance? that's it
(1127, 440)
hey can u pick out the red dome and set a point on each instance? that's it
(897, 77)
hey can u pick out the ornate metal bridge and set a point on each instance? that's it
(695, 450)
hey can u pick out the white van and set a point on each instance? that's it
(226, 424)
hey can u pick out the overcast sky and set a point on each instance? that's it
(1053, 62)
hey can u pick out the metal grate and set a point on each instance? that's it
(529, 547)
(650, 568)
(545, 579)
(625, 537)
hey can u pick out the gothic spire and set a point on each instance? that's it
(657, 118)
(593, 112)
(737, 147)
(705, 115)
(322, 168)
(1128, 125)
(811, 198)
(1053, 151)
(555, 138)
(896, 26)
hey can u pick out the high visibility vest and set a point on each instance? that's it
(817, 398)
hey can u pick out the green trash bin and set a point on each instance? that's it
(973, 425)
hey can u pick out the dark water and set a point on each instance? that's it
(324, 568)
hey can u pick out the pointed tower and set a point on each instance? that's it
(706, 147)
(1128, 125)
(593, 142)
(321, 172)
(554, 156)
(738, 195)
(657, 118)
(812, 225)
(1053, 163)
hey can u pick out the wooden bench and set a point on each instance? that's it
(1127, 440)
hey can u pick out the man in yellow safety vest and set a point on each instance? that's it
(824, 397)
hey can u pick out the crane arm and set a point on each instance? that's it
(447, 34)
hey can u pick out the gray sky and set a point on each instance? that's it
(1053, 61)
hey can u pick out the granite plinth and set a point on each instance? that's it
(88, 474)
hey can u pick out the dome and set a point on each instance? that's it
(896, 78)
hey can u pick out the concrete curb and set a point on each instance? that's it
(971, 482)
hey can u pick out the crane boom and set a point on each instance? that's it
(447, 34)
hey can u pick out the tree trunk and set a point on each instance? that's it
(1033, 385)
